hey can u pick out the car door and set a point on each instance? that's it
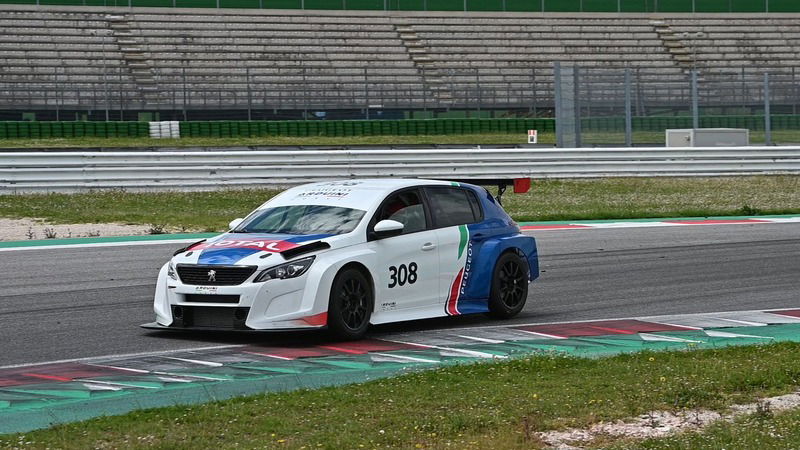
(452, 209)
(408, 264)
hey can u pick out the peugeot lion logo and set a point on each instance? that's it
(212, 275)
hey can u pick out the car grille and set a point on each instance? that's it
(208, 298)
(218, 317)
(223, 275)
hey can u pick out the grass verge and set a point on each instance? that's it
(608, 198)
(490, 405)
(459, 139)
(604, 138)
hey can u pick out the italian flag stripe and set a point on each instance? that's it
(462, 244)
(452, 301)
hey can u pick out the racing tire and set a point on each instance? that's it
(509, 286)
(350, 305)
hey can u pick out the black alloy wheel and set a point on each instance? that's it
(350, 305)
(509, 286)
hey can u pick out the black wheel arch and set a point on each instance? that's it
(367, 274)
(518, 252)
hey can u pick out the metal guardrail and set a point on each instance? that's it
(205, 170)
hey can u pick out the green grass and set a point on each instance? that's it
(758, 431)
(624, 198)
(658, 138)
(609, 198)
(460, 139)
(490, 405)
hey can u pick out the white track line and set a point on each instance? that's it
(98, 360)
(623, 224)
(583, 226)
(98, 244)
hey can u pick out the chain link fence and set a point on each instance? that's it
(594, 106)
(632, 107)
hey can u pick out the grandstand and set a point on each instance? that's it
(67, 62)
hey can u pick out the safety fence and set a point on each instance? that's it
(174, 169)
(302, 128)
(408, 127)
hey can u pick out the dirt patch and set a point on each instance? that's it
(661, 423)
(28, 229)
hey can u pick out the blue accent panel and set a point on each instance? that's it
(225, 255)
(233, 255)
(488, 240)
(473, 306)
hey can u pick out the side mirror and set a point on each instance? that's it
(235, 223)
(387, 228)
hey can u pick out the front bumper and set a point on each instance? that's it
(158, 326)
(272, 305)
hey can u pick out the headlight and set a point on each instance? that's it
(171, 272)
(289, 270)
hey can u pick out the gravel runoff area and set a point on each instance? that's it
(662, 423)
(27, 229)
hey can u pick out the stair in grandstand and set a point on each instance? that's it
(682, 55)
(134, 57)
(431, 75)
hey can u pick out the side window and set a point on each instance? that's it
(476, 206)
(406, 208)
(453, 206)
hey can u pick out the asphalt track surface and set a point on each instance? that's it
(74, 303)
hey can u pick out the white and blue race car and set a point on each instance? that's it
(347, 254)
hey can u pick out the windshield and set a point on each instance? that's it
(302, 219)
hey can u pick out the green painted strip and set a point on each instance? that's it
(462, 244)
(657, 219)
(26, 420)
(52, 403)
(102, 240)
(462, 230)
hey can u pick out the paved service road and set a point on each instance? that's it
(74, 303)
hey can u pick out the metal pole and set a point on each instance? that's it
(532, 108)
(55, 69)
(558, 105)
(478, 87)
(249, 96)
(767, 118)
(577, 97)
(628, 115)
(794, 93)
(744, 92)
(305, 96)
(695, 105)
(183, 75)
(105, 76)
(366, 93)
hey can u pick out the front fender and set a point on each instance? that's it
(488, 252)
(161, 299)
(309, 307)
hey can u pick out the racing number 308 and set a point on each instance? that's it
(398, 276)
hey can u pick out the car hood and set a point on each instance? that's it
(231, 248)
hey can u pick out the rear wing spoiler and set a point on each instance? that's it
(521, 185)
